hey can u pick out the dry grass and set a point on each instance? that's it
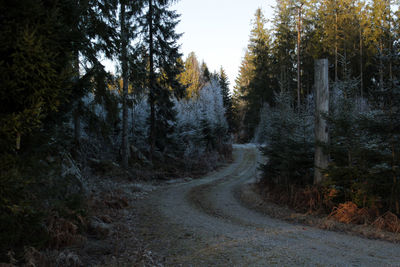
(63, 233)
(311, 199)
(349, 213)
(319, 201)
(254, 198)
(388, 221)
(106, 201)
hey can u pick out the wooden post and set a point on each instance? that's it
(321, 127)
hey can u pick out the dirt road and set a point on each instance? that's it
(201, 223)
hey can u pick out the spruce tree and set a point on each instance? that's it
(92, 28)
(239, 104)
(256, 83)
(364, 145)
(290, 144)
(41, 41)
(284, 44)
(128, 29)
(205, 73)
(158, 27)
(226, 97)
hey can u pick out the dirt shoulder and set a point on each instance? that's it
(209, 222)
(250, 196)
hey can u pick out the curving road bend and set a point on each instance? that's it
(202, 223)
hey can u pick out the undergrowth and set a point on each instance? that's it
(320, 201)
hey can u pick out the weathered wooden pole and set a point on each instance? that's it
(321, 128)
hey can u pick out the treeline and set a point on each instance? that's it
(280, 55)
(62, 115)
(274, 103)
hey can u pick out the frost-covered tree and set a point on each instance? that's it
(201, 123)
(160, 40)
(349, 169)
(290, 142)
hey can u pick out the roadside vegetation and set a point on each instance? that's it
(274, 105)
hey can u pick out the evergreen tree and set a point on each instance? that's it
(205, 73)
(227, 100)
(92, 28)
(41, 41)
(345, 145)
(284, 44)
(364, 145)
(290, 140)
(256, 83)
(127, 33)
(379, 39)
(239, 104)
(158, 27)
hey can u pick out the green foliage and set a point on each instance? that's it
(289, 144)
(255, 84)
(158, 25)
(364, 145)
(36, 78)
(31, 87)
(20, 221)
(205, 73)
(284, 44)
(226, 97)
(33, 186)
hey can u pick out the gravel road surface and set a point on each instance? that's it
(202, 223)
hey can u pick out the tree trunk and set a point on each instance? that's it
(336, 47)
(124, 59)
(321, 107)
(298, 57)
(78, 109)
(361, 65)
(151, 83)
(381, 65)
(390, 42)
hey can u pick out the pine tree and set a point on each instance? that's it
(158, 27)
(92, 28)
(284, 44)
(227, 100)
(40, 41)
(205, 73)
(256, 83)
(239, 104)
(299, 7)
(379, 38)
(290, 148)
(364, 145)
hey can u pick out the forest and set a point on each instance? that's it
(274, 104)
(67, 124)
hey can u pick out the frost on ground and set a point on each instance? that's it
(202, 223)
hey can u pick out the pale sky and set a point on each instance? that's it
(218, 30)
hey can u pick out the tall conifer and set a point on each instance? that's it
(158, 27)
